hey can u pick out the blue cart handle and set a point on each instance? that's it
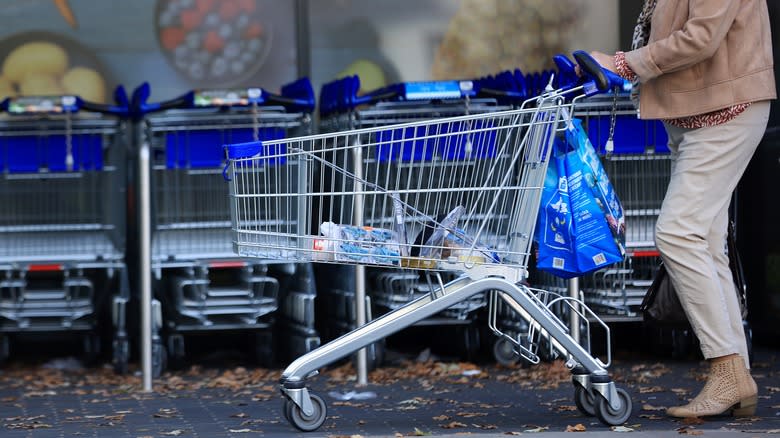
(600, 80)
(140, 107)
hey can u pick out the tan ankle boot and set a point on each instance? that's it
(729, 389)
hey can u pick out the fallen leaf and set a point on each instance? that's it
(453, 425)
(649, 407)
(471, 414)
(239, 415)
(537, 429)
(579, 427)
(621, 429)
(175, 432)
(513, 433)
(485, 426)
(240, 430)
(441, 418)
(650, 389)
(566, 408)
(651, 417)
(166, 413)
(773, 389)
(418, 432)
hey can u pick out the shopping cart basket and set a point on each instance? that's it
(62, 225)
(201, 284)
(481, 228)
(342, 109)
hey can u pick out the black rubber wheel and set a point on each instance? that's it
(681, 343)
(585, 401)
(611, 417)
(121, 355)
(504, 352)
(309, 423)
(5, 349)
(159, 359)
(287, 407)
(91, 344)
(375, 356)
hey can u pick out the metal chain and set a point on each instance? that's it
(610, 146)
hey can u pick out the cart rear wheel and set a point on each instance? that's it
(308, 423)
(504, 352)
(585, 401)
(121, 355)
(5, 349)
(614, 417)
(159, 359)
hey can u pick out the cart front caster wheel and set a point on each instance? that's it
(612, 417)
(287, 407)
(585, 401)
(307, 423)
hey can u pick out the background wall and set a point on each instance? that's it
(173, 44)
(408, 40)
(177, 45)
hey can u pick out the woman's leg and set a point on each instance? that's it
(708, 165)
(690, 235)
(717, 242)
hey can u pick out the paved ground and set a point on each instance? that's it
(441, 398)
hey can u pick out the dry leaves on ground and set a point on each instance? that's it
(452, 425)
(579, 427)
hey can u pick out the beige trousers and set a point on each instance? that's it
(707, 164)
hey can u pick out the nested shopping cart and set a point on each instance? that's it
(341, 109)
(62, 224)
(200, 283)
(480, 227)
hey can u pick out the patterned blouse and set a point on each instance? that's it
(714, 118)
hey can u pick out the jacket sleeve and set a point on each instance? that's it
(708, 23)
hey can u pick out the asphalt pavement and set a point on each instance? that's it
(58, 397)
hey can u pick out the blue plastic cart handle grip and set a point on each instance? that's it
(601, 79)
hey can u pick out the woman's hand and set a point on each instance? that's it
(606, 61)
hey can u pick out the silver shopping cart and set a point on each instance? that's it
(201, 285)
(342, 109)
(485, 233)
(62, 225)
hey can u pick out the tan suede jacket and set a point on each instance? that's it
(702, 56)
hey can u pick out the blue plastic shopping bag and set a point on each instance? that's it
(581, 227)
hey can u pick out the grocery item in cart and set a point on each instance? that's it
(358, 244)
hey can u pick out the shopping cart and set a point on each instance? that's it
(201, 284)
(480, 227)
(341, 109)
(62, 225)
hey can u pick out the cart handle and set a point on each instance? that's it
(601, 79)
(72, 104)
(121, 108)
(567, 72)
(140, 107)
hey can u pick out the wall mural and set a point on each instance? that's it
(87, 47)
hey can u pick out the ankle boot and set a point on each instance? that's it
(729, 390)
